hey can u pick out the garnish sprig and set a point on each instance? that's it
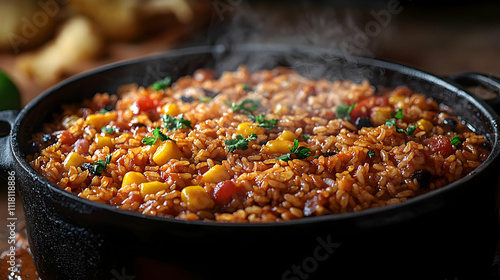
(392, 122)
(299, 152)
(172, 123)
(240, 143)
(157, 134)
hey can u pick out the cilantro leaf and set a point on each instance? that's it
(344, 112)
(306, 136)
(162, 84)
(246, 88)
(262, 122)
(399, 114)
(240, 143)
(247, 105)
(455, 141)
(157, 134)
(370, 153)
(299, 152)
(100, 165)
(108, 129)
(172, 123)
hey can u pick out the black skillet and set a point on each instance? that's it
(449, 233)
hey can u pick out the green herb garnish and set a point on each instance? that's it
(306, 136)
(399, 114)
(299, 152)
(162, 84)
(109, 129)
(455, 141)
(392, 122)
(157, 135)
(205, 99)
(262, 122)
(103, 111)
(100, 165)
(370, 153)
(246, 88)
(247, 105)
(344, 112)
(240, 143)
(172, 123)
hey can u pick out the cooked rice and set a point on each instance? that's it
(349, 169)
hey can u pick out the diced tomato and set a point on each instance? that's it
(361, 110)
(66, 137)
(363, 107)
(144, 104)
(224, 191)
(440, 144)
(81, 146)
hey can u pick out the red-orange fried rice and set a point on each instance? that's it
(255, 147)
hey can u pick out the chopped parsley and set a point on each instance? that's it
(172, 123)
(240, 143)
(205, 99)
(104, 111)
(344, 112)
(262, 122)
(306, 136)
(455, 141)
(109, 129)
(371, 153)
(299, 152)
(157, 135)
(246, 88)
(162, 84)
(100, 165)
(392, 122)
(247, 105)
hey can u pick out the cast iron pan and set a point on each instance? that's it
(449, 233)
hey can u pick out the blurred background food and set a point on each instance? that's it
(45, 41)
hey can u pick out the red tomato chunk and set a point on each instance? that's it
(440, 144)
(223, 192)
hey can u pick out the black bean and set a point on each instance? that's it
(363, 122)
(451, 122)
(263, 142)
(210, 93)
(423, 178)
(90, 167)
(109, 107)
(328, 154)
(49, 139)
(187, 99)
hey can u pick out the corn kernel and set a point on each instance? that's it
(380, 115)
(216, 174)
(286, 135)
(425, 125)
(171, 109)
(196, 198)
(247, 128)
(167, 151)
(73, 159)
(277, 146)
(104, 141)
(396, 98)
(100, 120)
(152, 187)
(133, 177)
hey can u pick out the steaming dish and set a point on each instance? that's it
(266, 146)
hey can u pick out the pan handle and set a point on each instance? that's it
(7, 120)
(473, 79)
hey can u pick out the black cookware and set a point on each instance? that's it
(449, 233)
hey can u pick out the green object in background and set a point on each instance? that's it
(9, 94)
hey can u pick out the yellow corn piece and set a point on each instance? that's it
(152, 187)
(396, 98)
(103, 141)
(100, 120)
(133, 177)
(167, 151)
(196, 198)
(171, 109)
(247, 128)
(425, 125)
(216, 174)
(286, 135)
(277, 146)
(73, 159)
